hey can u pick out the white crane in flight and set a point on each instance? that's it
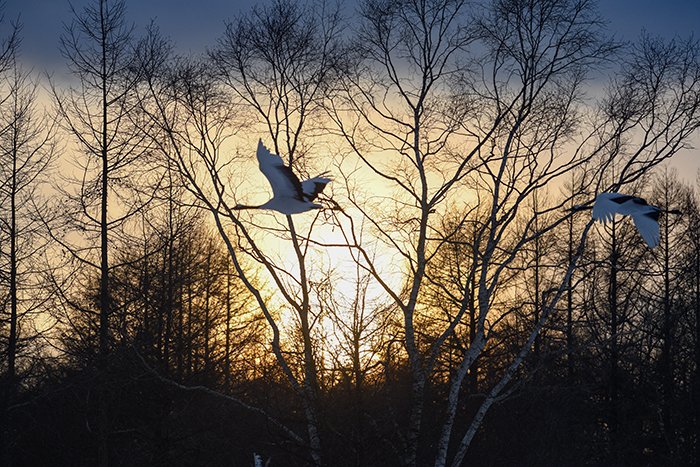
(289, 195)
(645, 216)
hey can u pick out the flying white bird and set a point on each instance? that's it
(289, 195)
(645, 216)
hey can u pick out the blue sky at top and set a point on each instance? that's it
(194, 25)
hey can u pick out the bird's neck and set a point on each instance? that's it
(246, 206)
(579, 207)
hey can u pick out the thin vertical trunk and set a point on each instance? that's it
(11, 375)
(169, 286)
(473, 372)
(612, 384)
(169, 303)
(570, 412)
(359, 305)
(310, 386)
(145, 292)
(12, 340)
(190, 337)
(104, 263)
(207, 300)
(666, 362)
(227, 355)
(418, 373)
(569, 308)
(162, 310)
(536, 346)
(416, 415)
(696, 387)
(181, 320)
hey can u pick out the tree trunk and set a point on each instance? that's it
(207, 299)
(569, 309)
(190, 337)
(170, 287)
(696, 386)
(104, 263)
(310, 384)
(10, 385)
(612, 383)
(667, 336)
(536, 345)
(227, 355)
(538, 265)
(180, 357)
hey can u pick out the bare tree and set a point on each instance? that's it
(277, 61)
(196, 119)
(666, 268)
(693, 277)
(111, 170)
(26, 151)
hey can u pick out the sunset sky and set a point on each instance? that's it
(194, 26)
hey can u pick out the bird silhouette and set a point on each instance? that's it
(289, 195)
(644, 215)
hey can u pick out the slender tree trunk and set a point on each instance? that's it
(104, 262)
(182, 276)
(536, 346)
(473, 372)
(170, 287)
(310, 389)
(696, 386)
(570, 308)
(416, 417)
(418, 372)
(227, 355)
(190, 337)
(358, 432)
(11, 375)
(537, 305)
(145, 291)
(613, 383)
(310, 385)
(666, 359)
(162, 309)
(207, 300)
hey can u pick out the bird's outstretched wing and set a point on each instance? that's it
(608, 204)
(647, 222)
(283, 181)
(313, 186)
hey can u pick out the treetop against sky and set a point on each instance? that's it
(195, 27)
